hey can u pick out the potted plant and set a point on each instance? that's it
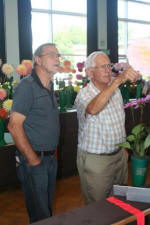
(138, 142)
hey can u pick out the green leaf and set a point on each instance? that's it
(131, 138)
(124, 145)
(147, 142)
(137, 129)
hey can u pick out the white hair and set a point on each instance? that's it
(90, 59)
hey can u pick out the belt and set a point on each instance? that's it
(112, 153)
(45, 153)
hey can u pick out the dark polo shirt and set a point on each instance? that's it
(39, 106)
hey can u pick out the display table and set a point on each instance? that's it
(8, 177)
(100, 213)
(67, 148)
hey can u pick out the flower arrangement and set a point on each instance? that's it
(72, 78)
(131, 90)
(139, 139)
(24, 68)
(7, 84)
(138, 104)
(70, 82)
(6, 87)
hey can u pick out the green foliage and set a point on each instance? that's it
(138, 141)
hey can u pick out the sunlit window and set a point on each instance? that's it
(133, 23)
(62, 22)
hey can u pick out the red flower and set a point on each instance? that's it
(3, 114)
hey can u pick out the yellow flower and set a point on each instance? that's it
(77, 88)
(7, 104)
(7, 69)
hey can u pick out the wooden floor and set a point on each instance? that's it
(68, 196)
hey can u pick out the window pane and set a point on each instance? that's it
(129, 32)
(138, 11)
(41, 34)
(143, 0)
(122, 37)
(69, 33)
(136, 30)
(69, 5)
(122, 9)
(44, 4)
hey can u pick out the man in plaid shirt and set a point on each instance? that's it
(101, 164)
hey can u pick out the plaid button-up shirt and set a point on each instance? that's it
(101, 132)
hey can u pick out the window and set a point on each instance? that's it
(133, 23)
(62, 22)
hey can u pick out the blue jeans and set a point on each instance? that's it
(38, 183)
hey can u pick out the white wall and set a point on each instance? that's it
(102, 24)
(11, 32)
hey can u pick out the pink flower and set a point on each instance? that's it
(21, 70)
(138, 102)
(73, 71)
(3, 93)
(67, 63)
(147, 98)
(121, 66)
(80, 66)
(139, 55)
(67, 69)
(28, 65)
(128, 105)
(79, 77)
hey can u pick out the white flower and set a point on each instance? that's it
(7, 69)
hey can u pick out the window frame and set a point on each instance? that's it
(127, 21)
(52, 12)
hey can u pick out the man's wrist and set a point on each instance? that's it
(118, 81)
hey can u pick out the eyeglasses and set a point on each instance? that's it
(104, 66)
(51, 54)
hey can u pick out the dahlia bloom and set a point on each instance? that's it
(7, 104)
(21, 70)
(3, 93)
(28, 64)
(7, 69)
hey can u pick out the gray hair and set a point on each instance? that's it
(39, 50)
(90, 59)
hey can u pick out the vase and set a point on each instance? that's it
(2, 129)
(68, 99)
(125, 93)
(139, 170)
(138, 90)
(62, 101)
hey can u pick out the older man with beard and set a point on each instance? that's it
(34, 126)
(101, 164)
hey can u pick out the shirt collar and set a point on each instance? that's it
(94, 87)
(38, 81)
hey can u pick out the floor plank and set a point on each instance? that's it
(68, 196)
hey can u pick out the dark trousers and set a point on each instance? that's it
(38, 183)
